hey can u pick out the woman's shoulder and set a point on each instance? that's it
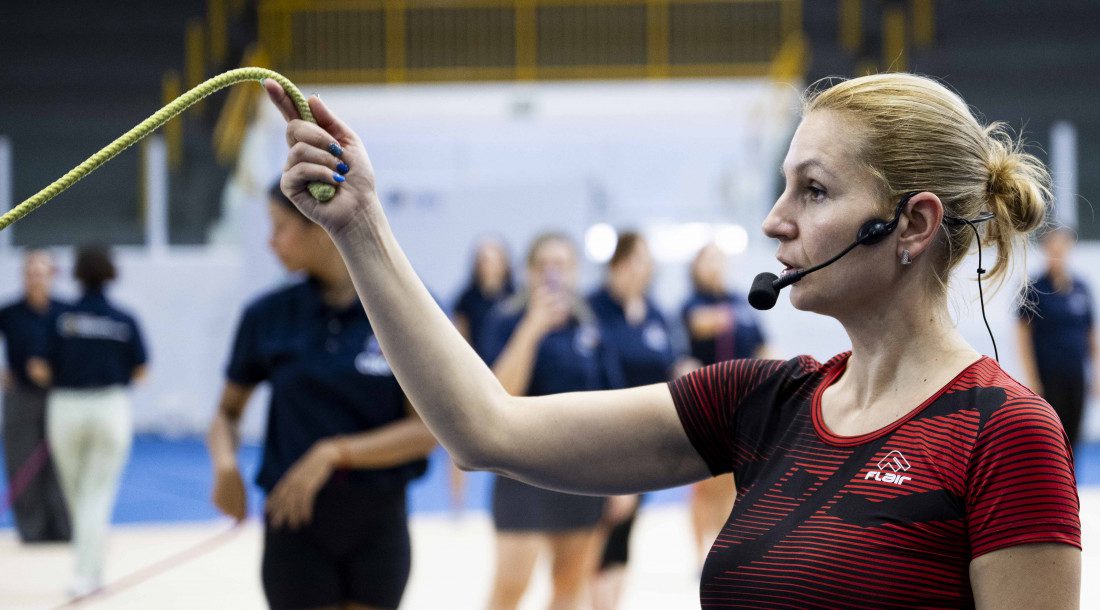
(754, 371)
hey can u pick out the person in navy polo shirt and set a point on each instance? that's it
(546, 340)
(38, 506)
(342, 442)
(721, 326)
(93, 351)
(1056, 335)
(631, 322)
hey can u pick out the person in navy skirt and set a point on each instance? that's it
(1057, 337)
(94, 350)
(721, 326)
(342, 442)
(546, 340)
(630, 322)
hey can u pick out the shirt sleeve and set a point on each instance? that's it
(1020, 483)
(245, 366)
(706, 400)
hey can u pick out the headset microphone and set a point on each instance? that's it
(765, 288)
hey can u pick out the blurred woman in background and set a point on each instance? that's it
(341, 443)
(546, 340)
(637, 331)
(1056, 334)
(490, 283)
(93, 351)
(721, 326)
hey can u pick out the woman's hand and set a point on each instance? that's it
(290, 504)
(328, 152)
(548, 310)
(228, 495)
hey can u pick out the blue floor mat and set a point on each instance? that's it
(169, 480)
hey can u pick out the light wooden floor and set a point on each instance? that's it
(452, 566)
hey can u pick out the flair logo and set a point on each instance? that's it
(894, 461)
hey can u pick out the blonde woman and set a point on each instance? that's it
(909, 471)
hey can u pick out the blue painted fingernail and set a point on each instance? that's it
(335, 149)
(338, 177)
(342, 167)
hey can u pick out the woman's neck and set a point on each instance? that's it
(337, 288)
(902, 353)
(490, 287)
(1060, 277)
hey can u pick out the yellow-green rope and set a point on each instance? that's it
(319, 190)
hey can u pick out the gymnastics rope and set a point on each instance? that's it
(321, 192)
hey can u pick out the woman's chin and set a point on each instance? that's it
(802, 299)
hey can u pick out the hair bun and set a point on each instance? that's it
(1017, 184)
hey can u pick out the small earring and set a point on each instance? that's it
(905, 260)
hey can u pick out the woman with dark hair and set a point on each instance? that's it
(93, 352)
(490, 283)
(342, 442)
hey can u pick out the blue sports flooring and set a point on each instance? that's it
(168, 480)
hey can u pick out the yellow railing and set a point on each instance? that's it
(338, 41)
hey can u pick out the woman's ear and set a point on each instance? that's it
(919, 223)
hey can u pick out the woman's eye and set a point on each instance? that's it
(815, 193)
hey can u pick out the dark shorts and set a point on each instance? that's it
(519, 507)
(356, 549)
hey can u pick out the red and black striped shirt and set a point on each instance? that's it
(887, 519)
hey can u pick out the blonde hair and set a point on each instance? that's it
(917, 135)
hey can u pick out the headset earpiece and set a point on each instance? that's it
(876, 229)
(873, 231)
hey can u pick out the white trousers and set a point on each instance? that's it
(90, 432)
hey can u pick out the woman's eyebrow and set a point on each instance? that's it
(809, 163)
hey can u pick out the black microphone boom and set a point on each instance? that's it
(765, 288)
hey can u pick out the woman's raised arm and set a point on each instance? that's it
(598, 442)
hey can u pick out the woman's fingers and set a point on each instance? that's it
(305, 153)
(301, 174)
(312, 134)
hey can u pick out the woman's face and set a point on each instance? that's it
(491, 264)
(38, 273)
(634, 272)
(709, 269)
(828, 196)
(641, 265)
(553, 265)
(293, 239)
(1057, 246)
